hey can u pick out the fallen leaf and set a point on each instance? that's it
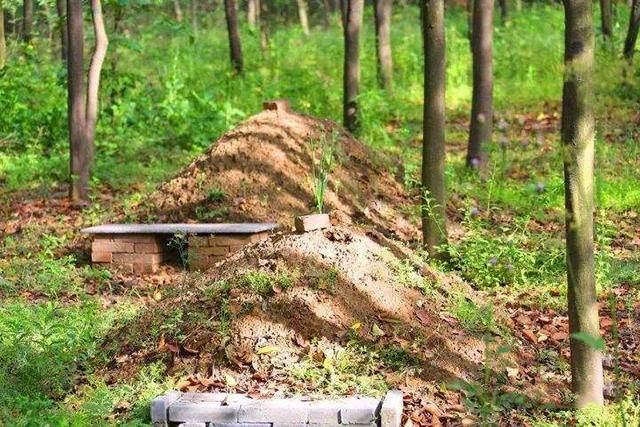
(267, 349)
(376, 331)
(230, 380)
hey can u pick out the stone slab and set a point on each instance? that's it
(160, 408)
(312, 222)
(362, 410)
(223, 228)
(274, 411)
(391, 409)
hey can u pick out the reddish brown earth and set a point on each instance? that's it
(264, 168)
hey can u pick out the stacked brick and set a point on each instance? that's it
(206, 250)
(236, 410)
(134, 253)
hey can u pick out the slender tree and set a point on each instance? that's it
(3, 43)
(606, 18)
(83, 108)
(482, 100)
(27, 20)
(61, 7)
(177, 10)
(504, 10)
(383, 43)
(433, 154)
(302, 14)
(351, 74)
(578, 143)
(235, 48)
(632, 32)
(252, 12)
(193, 9)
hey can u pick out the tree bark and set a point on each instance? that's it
(194, 15)
(83, 108)
(578, 143)
(3, 43)
(482, 100)
(606, 18)
(46, 11)
(252, 11)
(383, 43)
(433, 142)
(351, 76)
(302, 14)
(177, 9)
(235, 48)
(504, 10)
(326, 13)
(61, 7)
(27, 21)
(632, 32)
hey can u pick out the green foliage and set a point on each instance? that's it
(324, 152)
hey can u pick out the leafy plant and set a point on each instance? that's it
(324, 151)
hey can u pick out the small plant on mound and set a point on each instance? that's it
(266, 284)
(324, 152)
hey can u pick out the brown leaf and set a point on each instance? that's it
(423, 316)
(529, 335)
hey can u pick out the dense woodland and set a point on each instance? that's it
(511, 127)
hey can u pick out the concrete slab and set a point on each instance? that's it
(223, 228)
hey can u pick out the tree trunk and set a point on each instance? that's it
(177, 10)
(61, 7)
(302, 14)
(79, 164)
(632, 33)
(326, 13)
(433, 154)
(3, 43)
(83, 109)
(606, 17)
(352, 63)
(47, 15)
(344, 5)
(504, 10)
(482, 100)
(252, 12)
(27, 21)
(578, 143)
(235, 48)
(383, 43)
(194, 15)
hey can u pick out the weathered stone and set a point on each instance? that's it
(197, 241)
(391, 409)
(324, 412)
(229, 239)
(192, 425)
(362, 410)
(131, 258)
(306, 223)
(160, 408)
(100, 256)
(145, 268)
(149, 248)
(135, 230)
(274, 411)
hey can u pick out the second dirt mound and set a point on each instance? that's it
(263, 170)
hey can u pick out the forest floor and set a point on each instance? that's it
(479, 338)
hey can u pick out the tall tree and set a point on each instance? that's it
(235, 48)
(3, 43)
(433, 154)
(632, 32)
(61, 7)
(606, 18)
(83, 108)
(383, 42)
(177, 10)
(351, 74)
(27, 20)
(578, 143)
(504, 10)
(252, 12)
(482, 100)
(302, 14)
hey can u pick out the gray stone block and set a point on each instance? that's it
(160, 408)
(192, 425)
(240, 425)
(363, 410)
(323, 412)
(203, 411)
(274, 411)
(391, 410)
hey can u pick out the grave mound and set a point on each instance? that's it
(262, 171)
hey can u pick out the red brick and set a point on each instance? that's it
(137, 258)
(139, 238)
(279, 105)
(101, 245)
(101, 257)
(149, 248)
(259, 236)
(211, 250)
(229, 239)
(145, 268)
(197, 241)
(312, 222)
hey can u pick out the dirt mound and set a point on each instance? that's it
(262, 170)
(286, 300)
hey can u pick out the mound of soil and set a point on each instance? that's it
(262, 170)
(260, 309)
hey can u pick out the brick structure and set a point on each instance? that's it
(237, 410)
(141, 248)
